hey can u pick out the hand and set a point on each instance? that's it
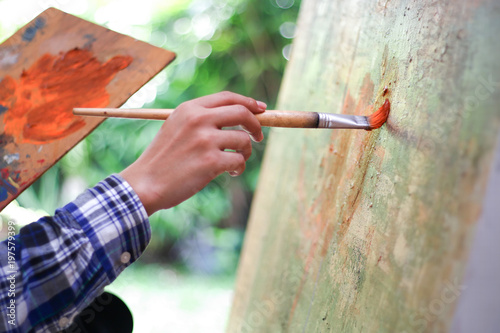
(190, 149)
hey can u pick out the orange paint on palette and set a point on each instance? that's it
(39, 105)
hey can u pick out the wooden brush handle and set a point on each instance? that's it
(270, 118)
(296, 119)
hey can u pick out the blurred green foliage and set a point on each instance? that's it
(231, 45)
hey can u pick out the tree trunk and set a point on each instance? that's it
(356, 231)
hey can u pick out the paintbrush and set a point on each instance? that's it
(270, 118)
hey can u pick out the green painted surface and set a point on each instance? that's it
(355, 231)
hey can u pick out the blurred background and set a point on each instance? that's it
(184, 281)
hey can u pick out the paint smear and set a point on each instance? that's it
(31, 31)
(39, 105)
(8, 179)
(8, 57)
(7, 184)
(9, 158)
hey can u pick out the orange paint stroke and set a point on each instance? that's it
(39, 105)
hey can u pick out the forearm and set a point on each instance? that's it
(63, 262)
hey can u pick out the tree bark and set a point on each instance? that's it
(356, 231)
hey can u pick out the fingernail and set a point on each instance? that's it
(256, 137)
(262, 106)
(233, 173)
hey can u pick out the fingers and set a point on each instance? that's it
(237, 115)
(226, 98)
(234, 149)
(191, 149)
(209, 114)
(225, 109)
(232, 162)
(235, 140)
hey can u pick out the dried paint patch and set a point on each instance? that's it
(11, 158)
(8, 57)
(8, 183)
(31, 30)
(41, 101)
(90, 40)
(4, 194)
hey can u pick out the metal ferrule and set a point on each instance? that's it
(329, 120)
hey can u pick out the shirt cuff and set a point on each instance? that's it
(115, 221)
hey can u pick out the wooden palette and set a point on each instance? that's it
(51, 65)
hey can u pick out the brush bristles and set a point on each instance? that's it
(378, 118)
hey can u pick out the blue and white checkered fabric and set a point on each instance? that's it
(63, 262)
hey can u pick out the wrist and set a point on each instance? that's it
(139, 184)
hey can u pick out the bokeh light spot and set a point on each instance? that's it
(285, 3)
(202, 50)
(287, 50)
(287, 30)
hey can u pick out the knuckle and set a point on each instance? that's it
(250, 101)
(225, 95)
(183, 107)
(192, 122)
(204, 140)
(205, 116)
(195, 119)
(241, 110)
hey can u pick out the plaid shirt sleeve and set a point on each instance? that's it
(63, 262)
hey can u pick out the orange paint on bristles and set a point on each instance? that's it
(378, 118)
